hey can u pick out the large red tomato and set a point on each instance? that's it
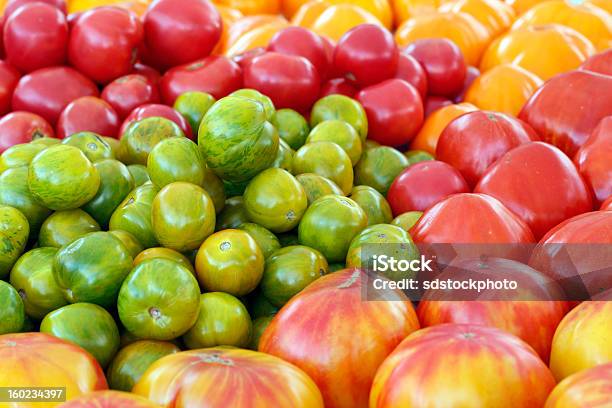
(9, 77)
(153, 109)
(539, 183)
(12, 5)
(217, 75)
(22, 127)
(129, 92)
(104, 43)
(395, 111)
(423, 184)
(109, 399)
(564, 124)
(338, 339)
(586, 389)
(338, 86)
(600, 63)
(88, 114)
(443, 63)
(290, 81)
(594, 160)
(474, 141)
(35, 36)
(462, 365)
(366, 55)
(178, 32)
(409, 69)
(227, 377)
(303, 43)
(48, 91)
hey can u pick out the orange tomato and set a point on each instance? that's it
(469, 34)
(109, 399)
(582, 339)
(381, 9)
(74, 6)
(602, 4)
(251, 7)
(40, 360)
(309, 12)
(258, 37)
(587, 389)
(521, 6)
(245, 24)
(590, 21)
(227, 377)
(427, 138)
(495, 15)
(545, 50)
(504, 88)
(405, 9)
(229, 17)
(338, 19)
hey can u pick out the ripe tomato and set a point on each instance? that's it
(13, 5)
(474, 141)
(338, 86)
(539, 183)
(290, 81)
(35, 36)
(245, 58)
(48, 91)
(151, 73)
(433, 103)
(90, 49)
(9, 77)
(395, 111)
(366, 55)
(217, 75)
(443, 63)
(129, 92)
(153, 109)
(600, 63)
(22, 127)
(594, 163)
(304, 43)
(423, 184)
(195, 28)
(89, 114)
(589, 388)
(410, 70)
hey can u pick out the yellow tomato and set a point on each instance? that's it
(602, 4)
(75, 6)
(229, 17)
(495, 15)
(381, 9)
(309, 12)
(338, 19)
(405, 9)
(250, 7)
(246, 24)
(521, 6)
(258, 37)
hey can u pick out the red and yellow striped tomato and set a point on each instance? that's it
(582, 339)
(336, 337)
(227, 377)
(495, 15)
(109, 399)
(587, 389)
(457, 365)
(41, 360)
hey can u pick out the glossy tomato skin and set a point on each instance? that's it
(424, 184)
(128, 92)
(89, 49)
(35, 36)
(13, 5)
(409, 69)
(539, 183)
(152, 110)
(395, 111)
(22, 127)
(9, 76)
(245, 58)
(151, 73)
(338, 86)
(433, 103)
(600, 63)
(303, 43)
(594, 161)
(443, 62)
(470, 76)
(560, 123)
(216, 75)
(290, 81)
(366, 55)
(195, 27)
(48, 91)
(475, 140)
(88, 114)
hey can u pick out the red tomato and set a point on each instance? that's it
(290, 81)
(22, 127)
(395, 111)
(48, 91)
(303, 43)
(568, 124)
(411, 71)
(470, 75)
(607, 205)
(538, 183)
(9, 77)
(1, 37)
(13, 5)
(178, 32)
(475, 140)
(35, 36)
(129, 92)
(245, 58)
(433, 103)
(328, 331)
(340, 86)
(423, 184)
(594, 160)
(217, 75)
(600, 63)
(151, 73)
(88, 114)
(366, 55)
(104, 43)
(443, 62)
(153, 109)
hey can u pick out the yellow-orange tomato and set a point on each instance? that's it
(229, 17)
(504, 88)
(495, 15)
(590, 21)
(405, 9)
(381, 9)
(40, 360)
(545, 50)
(587, 389)
(427, 138)
(309, 12)
(338, 19)
(250, 7)
(258, 37)
(582, 339)
(245, 24)
(469, 35)
(109, 399)
(75, 6)
(521, 6)
(227, 377)
(602, 4)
